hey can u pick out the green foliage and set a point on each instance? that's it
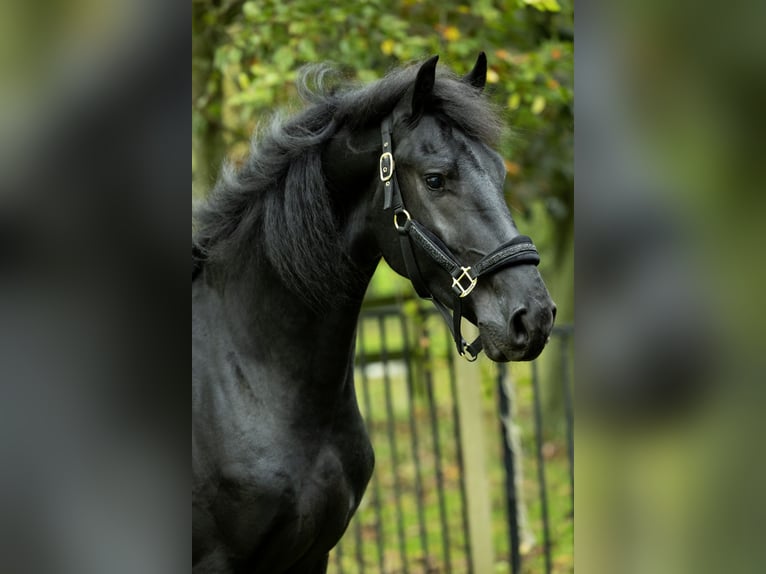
(259, 45)
(246, 56)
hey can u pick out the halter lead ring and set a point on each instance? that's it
(402, 228)
(519, 251)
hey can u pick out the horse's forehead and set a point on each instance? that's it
(439, 138)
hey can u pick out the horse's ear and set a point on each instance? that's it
(424, 85)
(478, 76)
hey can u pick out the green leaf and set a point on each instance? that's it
(297, 28)
(251, 11)
(544, 5)
(284, 58)
(306, 50)
(234, 56)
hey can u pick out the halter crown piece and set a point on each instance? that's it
(519, 251)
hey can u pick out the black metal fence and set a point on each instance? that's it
(415, 516)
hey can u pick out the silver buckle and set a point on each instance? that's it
(386, 171)
(467, 355)
(457, 282)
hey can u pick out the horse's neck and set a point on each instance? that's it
(271, 326)
(313, 340)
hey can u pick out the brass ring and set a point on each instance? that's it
(396, 219)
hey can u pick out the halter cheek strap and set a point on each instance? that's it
(519, 251)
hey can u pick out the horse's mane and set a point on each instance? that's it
(277, 205)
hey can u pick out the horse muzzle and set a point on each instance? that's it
(514, 328)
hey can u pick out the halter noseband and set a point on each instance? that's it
(519, 251)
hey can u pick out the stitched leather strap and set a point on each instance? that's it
(519, 251)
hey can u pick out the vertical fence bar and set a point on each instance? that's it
(433, 419)
(415, 439)
(368, 413)
(393, 443)
(339, 558)
(510, 470)
(358, 545)
(461, 466)
(564, 340)
(541, 467)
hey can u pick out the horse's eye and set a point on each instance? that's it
(434, 181)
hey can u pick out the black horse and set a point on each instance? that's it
(281, 257)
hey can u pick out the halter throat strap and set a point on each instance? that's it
(519, 251)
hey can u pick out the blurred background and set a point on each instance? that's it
(670, 283)
(474, 482)
(670, 273)
(94, 401)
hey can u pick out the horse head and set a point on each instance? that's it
(440, 217)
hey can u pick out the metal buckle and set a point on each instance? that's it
(467, 355)
(457, 284)
(386, 171)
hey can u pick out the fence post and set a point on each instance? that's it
(475, 474)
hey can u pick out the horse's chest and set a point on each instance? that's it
(274, 490)
(278, 509)
(275, 503)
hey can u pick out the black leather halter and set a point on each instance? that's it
(519, 251)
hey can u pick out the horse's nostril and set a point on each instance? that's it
(519, 333)
(553, 310)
